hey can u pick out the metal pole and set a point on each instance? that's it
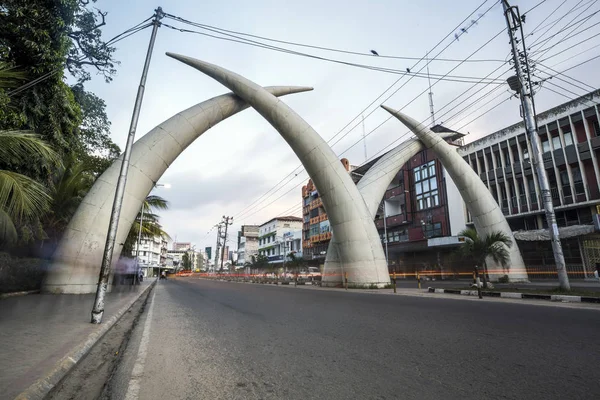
(137, 253)
(513, 22)
(227, 223)
(386, 236)
(98, 309)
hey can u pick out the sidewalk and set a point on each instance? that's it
(37, 331)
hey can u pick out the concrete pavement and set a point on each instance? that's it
(219, 340)
(37, 331)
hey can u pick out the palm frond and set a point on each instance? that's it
(154, 202)
(21, 197)
(21, 146)
(10, 76)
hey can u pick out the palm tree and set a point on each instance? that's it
(69, 187)
(23, 201)
(478, 249)
(150, 223)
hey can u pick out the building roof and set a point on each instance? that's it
(290, 218)
(519, 127)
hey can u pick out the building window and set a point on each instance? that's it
(545, 145)
(564, 180)
(556, 143)
(398, 235)
(568, 138)
(286, 225)
(596, 128)
(507, 157)
(433, 230)
(525, 153)
(577, 181)
(498, 159)
(426, 187)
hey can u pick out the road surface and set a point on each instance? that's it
(200, 339)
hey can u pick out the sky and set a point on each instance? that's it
(237, 162)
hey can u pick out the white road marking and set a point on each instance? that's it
(133, 389)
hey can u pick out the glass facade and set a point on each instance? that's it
(426, 187)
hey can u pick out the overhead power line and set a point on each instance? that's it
(223, 31)
(361, 113)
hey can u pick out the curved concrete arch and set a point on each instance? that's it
(373, 186)
(77, 260)
(484, 209)
(358, 245)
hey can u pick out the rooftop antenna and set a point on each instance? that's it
(431, 109)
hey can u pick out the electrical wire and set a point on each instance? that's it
(252, 206)
(450, 78)
(227, 31)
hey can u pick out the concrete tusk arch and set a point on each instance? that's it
(484, 209)
(77, 259)
(373, 186)
(358, 245)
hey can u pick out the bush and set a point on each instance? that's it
(503, 279)
(20, 274)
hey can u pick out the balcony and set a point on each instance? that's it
(315, 203)
(393, 220)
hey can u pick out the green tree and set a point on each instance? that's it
(151, 226)
(295, 262)
(69, 186)
(23, 201)
(41, 38)
(186, 262)
(478, 249)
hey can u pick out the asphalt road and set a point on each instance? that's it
(203, 339)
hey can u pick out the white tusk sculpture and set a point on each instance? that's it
(484, 209)
(372, 187)
(76, 261)
(358, 245)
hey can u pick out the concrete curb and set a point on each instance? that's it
(513, 295)
(14, 294)
(40, 388)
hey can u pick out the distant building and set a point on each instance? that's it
(152, 254)
(247, 243)
(316, 233)
(181, 246)
(280, 236)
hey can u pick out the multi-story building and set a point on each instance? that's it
(247, 243)
(152, 254)
(421, 203)
(315, 229)
(570, 142)
(422, 211)
(196, 258)
(280, 236)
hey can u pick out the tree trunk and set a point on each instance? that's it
(484, 274)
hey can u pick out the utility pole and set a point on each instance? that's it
(139, 241)
(217, 250)
(226, 221)
(522, 85)
(385, 234)
(98, 309)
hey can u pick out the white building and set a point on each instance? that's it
(152, 254)
(279, 237)
(247, 243)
